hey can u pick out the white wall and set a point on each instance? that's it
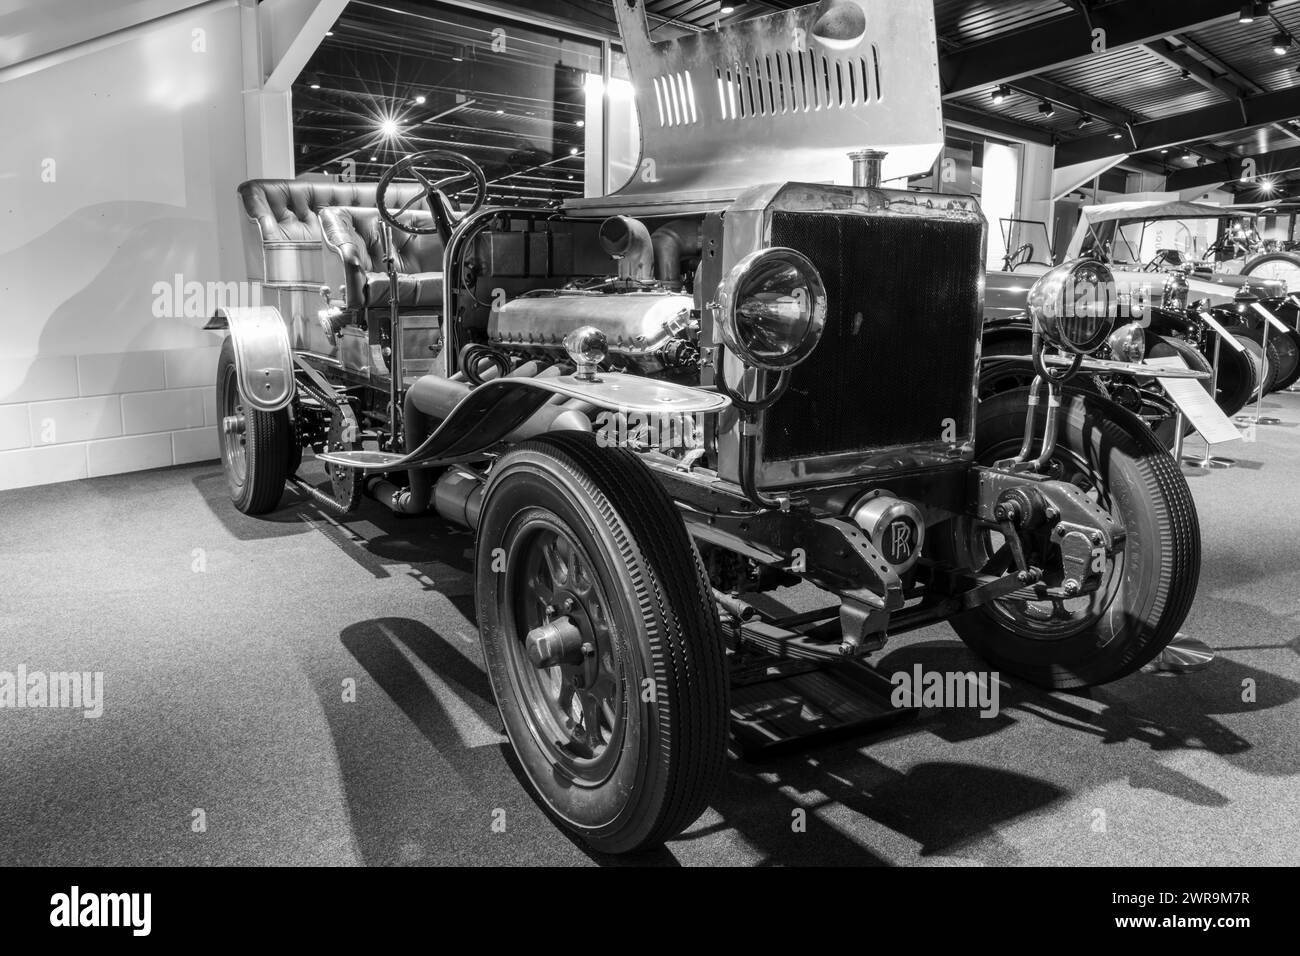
(123, 178)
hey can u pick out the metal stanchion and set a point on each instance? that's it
(1181, 656)
(1208, 461)
(1255, 418)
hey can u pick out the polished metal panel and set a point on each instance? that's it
(263, 357)
(784, 96)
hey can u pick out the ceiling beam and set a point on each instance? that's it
(1266, 164)
(1209, 122)
(1181, 58)
(1069, 39)
(998, 125)
(1042, 88)
(1227, 69)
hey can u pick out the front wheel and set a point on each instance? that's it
(1150, 582)
(255, 445)
(601, 642)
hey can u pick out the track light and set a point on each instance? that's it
(1000, 95)
(1116, 135)
(1250, 12)
(1281, 43)
(313, 81)
(1084, 120)
(1046, 108)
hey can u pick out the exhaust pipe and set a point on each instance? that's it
(672, 242)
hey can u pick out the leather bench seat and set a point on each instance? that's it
(353, 234)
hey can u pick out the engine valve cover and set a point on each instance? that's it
(637, 325)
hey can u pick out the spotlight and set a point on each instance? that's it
(457, 54)
(419, 100)
(1046, 108)
(1185, 74)
(1084, 120)
(1116, 135)
(1281, 43)
(573, 151)
(727, 9)
(313, 81)
(1266, 185)
(388, 128)
(581, 123)
(1000, 94)
(1247, 14)
(373, 158)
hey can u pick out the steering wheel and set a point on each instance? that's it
(1170, 256)
(445, 213)
(1013, 259)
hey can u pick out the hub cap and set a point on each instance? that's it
(564, 659)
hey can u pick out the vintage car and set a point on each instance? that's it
(654, 405)
(1149, 247)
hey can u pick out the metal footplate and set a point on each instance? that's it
(778, 706)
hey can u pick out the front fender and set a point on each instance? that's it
(263, 355)
(496, 408)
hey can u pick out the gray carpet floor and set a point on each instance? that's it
(227, 645)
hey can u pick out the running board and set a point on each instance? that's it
(496, 408)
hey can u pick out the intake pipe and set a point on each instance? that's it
(673, 242)
(628, 240)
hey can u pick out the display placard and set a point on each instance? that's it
(1223, 333)
(1273, 320)
(1196, 403)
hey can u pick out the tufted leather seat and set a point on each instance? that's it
(353, 235)
(283, 245)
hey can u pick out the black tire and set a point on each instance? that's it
(1237, 380)
(1290, 343)
(620, 541)
(1277, 361)
(1161, 347)
(256, 463)
(1261, 364)
(1150, 586)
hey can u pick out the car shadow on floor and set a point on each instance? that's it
(421, 782)
(457, 768)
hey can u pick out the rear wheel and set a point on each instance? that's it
(255, 445)
(1151, 581)
(601, 641)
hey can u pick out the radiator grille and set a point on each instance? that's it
(903, 324)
